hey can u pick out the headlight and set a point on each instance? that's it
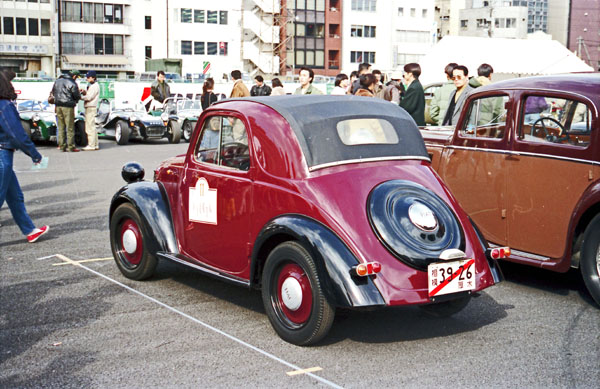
(164, 116)
(35, 117)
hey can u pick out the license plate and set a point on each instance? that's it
(451, 277)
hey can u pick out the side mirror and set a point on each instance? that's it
(132, 172)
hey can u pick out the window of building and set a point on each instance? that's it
(9, 27)
(21, 26)
(211, 48)
(483, 23)
(33, 26)
(199, 48)
(108, 13)
(222, 17)
(98, 13)
(464, 24)
(511, 23)
(362, 56)
(148, 22)
(148, 52)
(400, 11)
(413, 12)
(364, 5)
(186, 15)
(186, 47)
(222, 48)
(45, 27)
(424, 13)
(118, 9)
(212, 17)
(411, 36)
(88, 12)
(320, 5)
(71, 11)
(199, 16)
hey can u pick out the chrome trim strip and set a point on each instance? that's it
(526, 153)
(524, 254)
(205, 270)
(375, 159)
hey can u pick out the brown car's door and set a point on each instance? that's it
(548, 172)
(216, 196)
(474, 166)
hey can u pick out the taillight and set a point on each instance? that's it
(499, 252)
(367, 269)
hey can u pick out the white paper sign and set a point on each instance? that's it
(203, 203)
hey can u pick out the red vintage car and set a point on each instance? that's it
(319, 201)
(524, 162)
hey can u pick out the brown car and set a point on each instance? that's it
(524, 162)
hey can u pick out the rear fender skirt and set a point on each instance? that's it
(332, 256)
(152, 204)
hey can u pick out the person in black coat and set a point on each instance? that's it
(260, 89)
(208, 98)
(414, 97)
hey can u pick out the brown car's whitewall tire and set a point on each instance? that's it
(293, 297)
(590, 258)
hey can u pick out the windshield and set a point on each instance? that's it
(32, 105)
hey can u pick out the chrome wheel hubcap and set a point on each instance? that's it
(118, 132)
(291, 294)
(129, 241)
(598, 260)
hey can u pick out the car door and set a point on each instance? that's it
(550, 169)
(216, 195)
(474, 165)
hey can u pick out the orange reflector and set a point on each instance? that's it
(500, 252)
(367, 269)
(165, 123)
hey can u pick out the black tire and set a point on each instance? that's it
(590, 258)
(307, 315)
(187, 131)
(128, 244)
(26, 127)
(446, 308)
(174, 132)
(81, 139)
(122, 132)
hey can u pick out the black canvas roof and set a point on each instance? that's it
(314, 118)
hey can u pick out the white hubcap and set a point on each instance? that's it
(118, 132)
(129, 241)
(291, 293)
(598, 260)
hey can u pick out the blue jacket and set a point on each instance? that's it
(12, 134)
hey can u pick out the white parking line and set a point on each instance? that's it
(231, 337)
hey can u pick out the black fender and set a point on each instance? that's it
(112, 123)
(333, 258)
(152, 204)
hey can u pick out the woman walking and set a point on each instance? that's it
(12, 138)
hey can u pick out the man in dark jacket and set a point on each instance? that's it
(414, 97)
(66, 95)
(160, 90)
(260, 89)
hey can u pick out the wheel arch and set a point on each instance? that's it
(151, 202)
(585, 212)
(333, 258)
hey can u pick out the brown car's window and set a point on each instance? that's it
(486, 118)
(548, 119)
(224, 141)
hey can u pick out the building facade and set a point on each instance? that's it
(447, 16)
(584, 31)
(387, 34)
(27, 31)
(311, 35)
(558, 20)
(494, 19)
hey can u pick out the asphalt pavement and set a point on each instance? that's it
(69, 319)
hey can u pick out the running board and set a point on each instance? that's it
(204, 269)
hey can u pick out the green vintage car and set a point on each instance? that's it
(39, 121)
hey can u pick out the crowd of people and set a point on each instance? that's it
(403, 88)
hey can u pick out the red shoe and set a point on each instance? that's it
(35, 234)
(74, 150)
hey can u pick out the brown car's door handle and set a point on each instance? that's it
(513, 157)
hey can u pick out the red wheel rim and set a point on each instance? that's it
(131, 250)
(297, 276)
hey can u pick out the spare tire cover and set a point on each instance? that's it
(412, 222)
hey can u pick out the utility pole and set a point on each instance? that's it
(581, 44)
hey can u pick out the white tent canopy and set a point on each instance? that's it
(509, 57)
